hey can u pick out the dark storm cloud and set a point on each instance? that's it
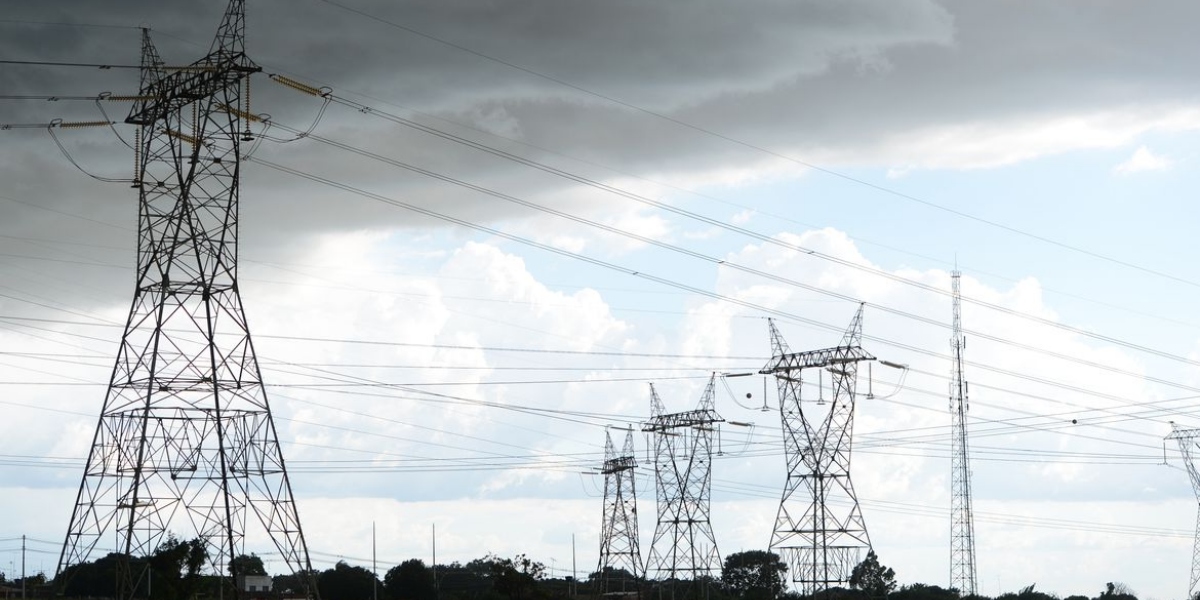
(810, 78)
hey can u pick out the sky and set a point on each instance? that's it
(511, 217)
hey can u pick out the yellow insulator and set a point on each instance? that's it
(179, 135)
(79, 124)
(241, 113)
(296, 85)
(131, 98)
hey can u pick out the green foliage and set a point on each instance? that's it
(1117, 591)
(515, 577)
(874, 579)
(754, 575)
(1027, 593)
(175, 568)
(344, 582)
(294, 584)
(410, 580)
(920, 591)
(247, 565)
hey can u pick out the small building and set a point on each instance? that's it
(257, 586)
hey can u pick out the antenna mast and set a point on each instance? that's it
(962, 523)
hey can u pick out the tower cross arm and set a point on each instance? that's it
(1187, 445)
(691, 418)
(794, 361)
(177, 89)
(616, 465)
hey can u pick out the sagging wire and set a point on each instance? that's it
(324, 92)
(60, 124)
(729, 390)
(899, 384)
(107, 96)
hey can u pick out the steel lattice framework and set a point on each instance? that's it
(1188, 442)
(620, 554)
(684, 547)
(819, 530)
(185, 441)
(962, 523)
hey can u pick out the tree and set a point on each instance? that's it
(410, 580)
(1117, 591)
(921, 591)
(248, 565)
(876, 580)
(344, 582)
(754, 575)
(515, 577)
(175, 568)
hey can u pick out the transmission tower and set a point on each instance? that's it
(185, 441)
(819, 530)
(1188, 440)
(684, 548)
(620, 555)
(962, 523)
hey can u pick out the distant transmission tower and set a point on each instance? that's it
(620, 555)
(1188, 440)
(684, 548)
(185, 441)
(962, 523)
(819, 530)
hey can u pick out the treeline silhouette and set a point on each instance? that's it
(176, 571)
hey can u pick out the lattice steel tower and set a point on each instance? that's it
(819, 530)
(962, 522)
(684, 547)
(1188, 440)
(185, 441)
(620, 554)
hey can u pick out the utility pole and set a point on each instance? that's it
(22, 567)
(819, 529)
(620, 553)
(684, 547)
(1188, 439)
(962, 522)
(185, 441)
(374, 567)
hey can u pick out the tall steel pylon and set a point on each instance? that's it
(819, 529)
(620, 554)
(684, 547)
(185, 441)
(1188, 440)
(962, 522)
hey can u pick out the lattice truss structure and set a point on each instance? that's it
(962, 522)
(620, 553)
(684, 547)
(1189, 443)
(819, 529)
(185, 441)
